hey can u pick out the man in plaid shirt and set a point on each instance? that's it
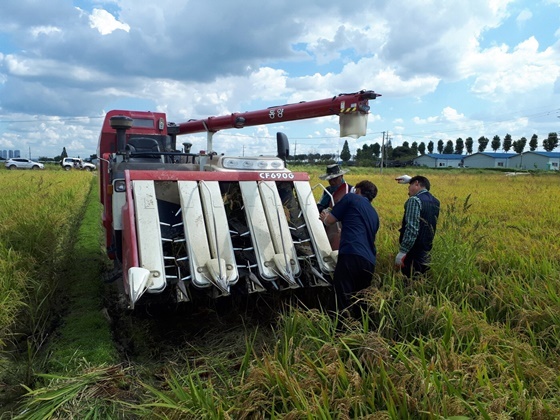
(421, 212)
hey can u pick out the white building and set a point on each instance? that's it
(435, 160)
(536, 160)
(488, 160)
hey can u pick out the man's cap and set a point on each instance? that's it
(333, 171)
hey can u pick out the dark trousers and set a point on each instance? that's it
(351, 274)
(415, 263)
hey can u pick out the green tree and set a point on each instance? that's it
(534, 143)
(328, 157)
(313, 157)
(459, 146)
(404, 152)
(63, 154)
(430, 147)
(414, 148)
(440, 146)
(376, 149)
(469, 145)
(448, 150)
(550, 143)
(506, 145)
(482, 143)
(387, 150)
(365, 155)
(345, 154)
(496, 143)
(422, 148)
(519, 145)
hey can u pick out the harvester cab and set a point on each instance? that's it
(183, 225)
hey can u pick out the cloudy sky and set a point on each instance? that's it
(446, 69)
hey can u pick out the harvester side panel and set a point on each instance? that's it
(149, 233)
(205, 269)
(258, 226)
(195, 231)
(326, 257)
(217, 227)
(285, 253)
(129, 239)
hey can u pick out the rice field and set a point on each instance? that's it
(38, 212)
(478, 337)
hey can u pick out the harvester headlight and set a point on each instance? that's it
(253, 164)
(119, 185)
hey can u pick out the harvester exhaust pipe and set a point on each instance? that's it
(121, 123)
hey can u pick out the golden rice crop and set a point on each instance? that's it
(38, 212)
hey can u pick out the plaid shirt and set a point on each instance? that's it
(412, 209)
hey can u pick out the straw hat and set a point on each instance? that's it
(333, 171)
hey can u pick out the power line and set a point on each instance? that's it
(52, 119)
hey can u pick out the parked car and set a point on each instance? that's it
(22, 163)
(76, 163)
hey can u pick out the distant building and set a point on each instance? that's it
(8, 154)
(488, 160)
(546, 161)
(434, 160)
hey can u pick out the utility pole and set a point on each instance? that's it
(382, 153)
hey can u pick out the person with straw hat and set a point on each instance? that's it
(337, 189)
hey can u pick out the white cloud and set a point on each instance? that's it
(524, 16)
(105, 22)
(501, 74)
(44, 30)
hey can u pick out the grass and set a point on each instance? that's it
(475, 338)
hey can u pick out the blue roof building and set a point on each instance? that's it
(437, 160)
(488, 160)
(547, 161)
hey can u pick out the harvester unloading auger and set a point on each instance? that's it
(181, 223)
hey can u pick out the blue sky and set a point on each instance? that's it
(446, 69)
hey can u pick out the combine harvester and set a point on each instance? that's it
(185, 225)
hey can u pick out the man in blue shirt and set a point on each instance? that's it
(418, 229)
(357, 252)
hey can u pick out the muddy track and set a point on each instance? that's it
(157, 331)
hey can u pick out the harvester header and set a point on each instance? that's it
(182, 226)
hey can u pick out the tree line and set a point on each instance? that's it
(370, 155)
